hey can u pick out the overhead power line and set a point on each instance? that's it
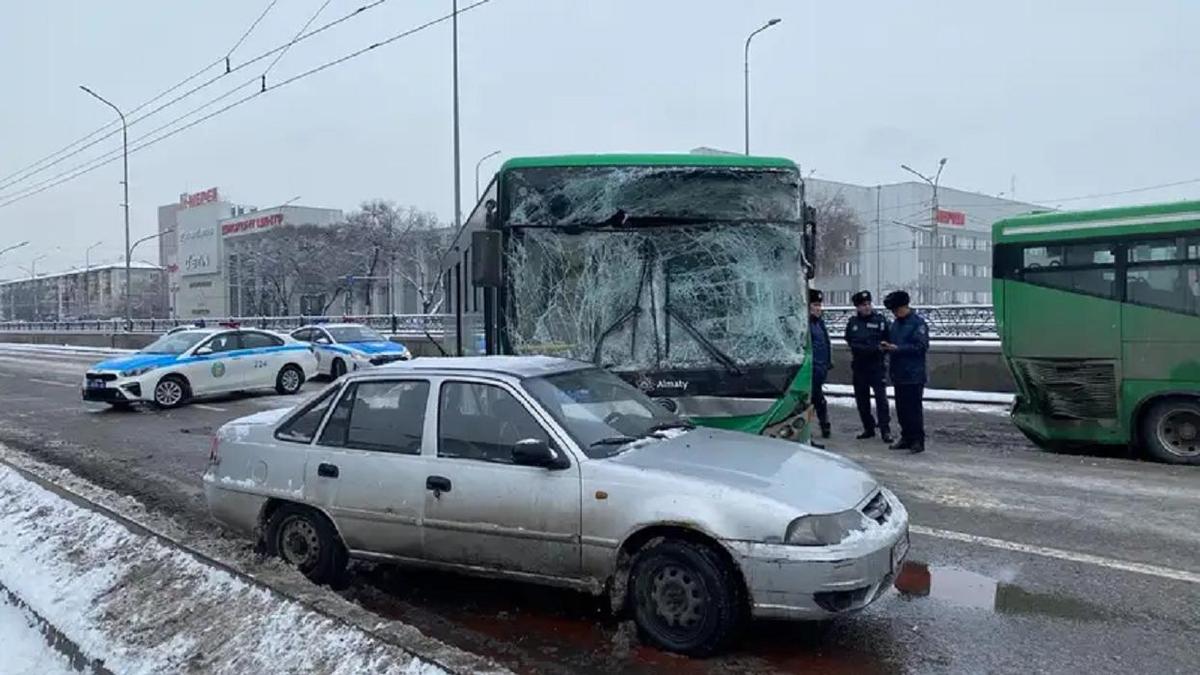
(248, 31)
(308, 73)
(297, 35)
(71, 150)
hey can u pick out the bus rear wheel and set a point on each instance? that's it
(1171, 431)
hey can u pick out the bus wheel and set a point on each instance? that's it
(1171, 431)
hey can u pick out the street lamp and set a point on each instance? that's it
(750, 37)
(128, 315)
(933, 225)
(13, 247)
(477, 164)
(87, 256)
(125, 183)
(148, 238)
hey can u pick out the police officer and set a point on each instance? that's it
(906, 344)
(866, 331)
(822, 357)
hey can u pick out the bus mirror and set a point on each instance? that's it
(810, 241)
(485, 258)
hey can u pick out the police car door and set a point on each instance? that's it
(217, 365)
(263, 359)
(323, 341)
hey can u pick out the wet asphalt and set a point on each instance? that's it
(1022, 561)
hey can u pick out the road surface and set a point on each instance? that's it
(1022, 561)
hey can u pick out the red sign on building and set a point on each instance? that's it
(251, 224)
(945, 217)
(188, 201)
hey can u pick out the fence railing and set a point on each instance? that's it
(945, 322)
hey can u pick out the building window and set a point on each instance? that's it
(200, 284)
(963, 297)
(923, 267)
(847, 268)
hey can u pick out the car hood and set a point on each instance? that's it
(136, 361)
(376, 347)
(811, 480)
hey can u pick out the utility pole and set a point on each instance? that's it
(457, 171)
(931, 297)
(125, 182)
(746, 77)
(878, 245)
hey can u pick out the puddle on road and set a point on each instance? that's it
(963, 588)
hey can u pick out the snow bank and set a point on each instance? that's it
(60, 349)
(949, 395)
(25, 651)
(142, 606)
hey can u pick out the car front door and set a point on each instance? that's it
(216, 365)
(483, 510)
(367, 470)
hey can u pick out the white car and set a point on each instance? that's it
(201, 362)
(346, 347)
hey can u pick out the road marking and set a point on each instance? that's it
(52, 382)
(203, 406)
(1060, 554)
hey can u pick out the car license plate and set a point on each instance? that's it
(95, 384)
(899, 551)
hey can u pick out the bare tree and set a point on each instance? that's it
(403, 243)
(838, 230)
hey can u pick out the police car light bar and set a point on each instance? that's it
(229, 324)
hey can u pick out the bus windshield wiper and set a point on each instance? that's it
(705, 344)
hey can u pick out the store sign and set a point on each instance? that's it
(194, 199)
(251, 224)
(945, 217)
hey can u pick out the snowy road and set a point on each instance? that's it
(1022, 561)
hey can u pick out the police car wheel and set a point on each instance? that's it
(170, 392)
(289, 380)
(338, 369)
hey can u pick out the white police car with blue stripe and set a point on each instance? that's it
(344, 347)
(201, 362)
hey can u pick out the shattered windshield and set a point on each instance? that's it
(656, 268)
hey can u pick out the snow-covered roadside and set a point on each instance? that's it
(61, 349)
(142, 606)
(25, 651)
(948, 395)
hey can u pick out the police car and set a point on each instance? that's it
(343, 347)
(201, 362)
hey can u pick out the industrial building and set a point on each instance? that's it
(94, 293)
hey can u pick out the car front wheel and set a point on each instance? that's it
(306, 540)
(686, 597)
(170, 392)
(289, 380)
(337, 370)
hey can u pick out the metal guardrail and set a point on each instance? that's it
(946, 322)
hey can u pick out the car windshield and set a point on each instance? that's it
(355, 334)
(175, 343)
(600, 411)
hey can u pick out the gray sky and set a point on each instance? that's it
(1073, 98)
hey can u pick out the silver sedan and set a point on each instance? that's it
(556, 472)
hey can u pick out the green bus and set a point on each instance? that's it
(1099, 319)
(686, 275)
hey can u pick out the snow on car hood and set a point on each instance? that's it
(136, 361)
(376, 347)
(265, 417)
(811, 480)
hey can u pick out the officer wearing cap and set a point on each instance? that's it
(906, 344)
(822, 357)
(866, 331)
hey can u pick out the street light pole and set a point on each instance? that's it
(477, 165)
(125, 183)
(128, 317)
(87, 256)
(746, 83)
(37, 288)
(457, 168)
(933, 226)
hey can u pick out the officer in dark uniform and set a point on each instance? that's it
(822, 357)
(866, 331)
(907, 342)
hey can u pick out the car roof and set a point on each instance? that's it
(333, 325)
(516, 366)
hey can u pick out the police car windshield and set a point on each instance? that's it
(176, 343)
(355, 334)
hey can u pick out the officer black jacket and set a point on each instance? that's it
(911, 337)
(863, 335)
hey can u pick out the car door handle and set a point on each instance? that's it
(327, 470)
(438, 484)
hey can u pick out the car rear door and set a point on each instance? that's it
(367, 469)
(263, 358)
(483, 510)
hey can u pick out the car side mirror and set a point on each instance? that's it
(204, 351)
(534, 452)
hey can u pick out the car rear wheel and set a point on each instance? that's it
(171, 392)
(306, 540)
(686, 597)
(1171, 431)
(338, 369)
(289, 380)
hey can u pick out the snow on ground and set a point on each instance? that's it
(60, 349)
(948, 395)
(145, 607)
(25, 650)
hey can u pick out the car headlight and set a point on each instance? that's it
(136, 372)
(823, 530)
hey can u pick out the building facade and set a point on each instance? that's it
(95, 293)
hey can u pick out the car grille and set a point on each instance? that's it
(878, 509)
(387, 358)
(107, 377)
